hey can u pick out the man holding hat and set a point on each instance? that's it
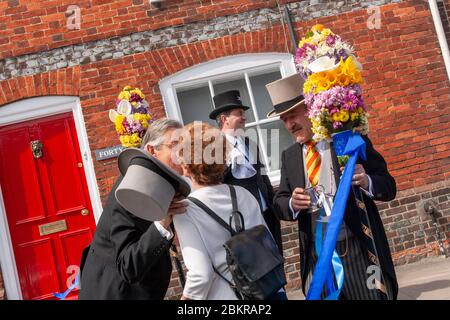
(129, 255)
(307, 164)
(245, 167)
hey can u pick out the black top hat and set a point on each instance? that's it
(225, 101)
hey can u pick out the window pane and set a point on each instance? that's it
(276, 139)
(195, 104)
(238, 84)
(263, 103)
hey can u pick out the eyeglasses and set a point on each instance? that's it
(171, 145)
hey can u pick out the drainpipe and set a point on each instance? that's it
(441, 35)
(430, 207)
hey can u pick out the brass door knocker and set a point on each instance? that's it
(36, 148)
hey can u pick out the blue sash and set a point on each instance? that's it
(345, 143)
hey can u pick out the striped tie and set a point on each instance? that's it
(312, 163)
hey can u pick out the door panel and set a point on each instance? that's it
(19, 175)
(38, 279)
(47, 203)
(61, 165)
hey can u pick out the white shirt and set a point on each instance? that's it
(241, 161)
(163, 231)
(202, 238)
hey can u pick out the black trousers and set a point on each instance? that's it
(355, 262)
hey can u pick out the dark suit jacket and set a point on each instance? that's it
(261, 182)
(127, 259)
(384, 188)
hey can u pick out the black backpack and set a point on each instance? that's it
(252, 256)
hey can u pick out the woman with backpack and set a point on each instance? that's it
(203, 156)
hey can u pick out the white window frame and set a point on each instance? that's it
(25, 110)
(225, 68)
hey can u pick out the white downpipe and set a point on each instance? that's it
(441, 34)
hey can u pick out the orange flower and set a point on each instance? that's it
(317, 27)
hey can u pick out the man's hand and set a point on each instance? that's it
(300, 200)
(360, 177)
(177, 206)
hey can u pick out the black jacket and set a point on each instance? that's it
(127, 259)
(384, 188)
(261, 182)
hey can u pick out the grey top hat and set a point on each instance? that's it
(148, 186)
(286, 94)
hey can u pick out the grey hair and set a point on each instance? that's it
(156, 130)
(219, 119)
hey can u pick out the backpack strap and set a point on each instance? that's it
(235, 214)
(213, 215)
(222, 222)
(231, 284)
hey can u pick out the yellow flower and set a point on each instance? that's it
(360, 110)
(127, 88)
(132, 140)
(305, 41)
(344, 115)
(326, 32)
(308, 86)
(124, 95)
(142, 118)
(119, 124)
(336, 117)
(317, 27)
(354, 116)
(138, 92)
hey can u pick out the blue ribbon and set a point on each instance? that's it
(345, 143)
(64, 294)
(332, 291)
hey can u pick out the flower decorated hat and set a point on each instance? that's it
(131, 116)
(332, 88)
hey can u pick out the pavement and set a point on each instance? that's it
(428, 279)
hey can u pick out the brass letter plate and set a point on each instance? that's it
(52, 227)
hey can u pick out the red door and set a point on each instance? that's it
(47, 203)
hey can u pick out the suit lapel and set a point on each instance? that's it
(296, 161)
(336, 167)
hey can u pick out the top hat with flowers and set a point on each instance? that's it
(131, 116)
(332, 88)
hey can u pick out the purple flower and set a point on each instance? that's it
(126, 125)
(331, 40)
(142, 110)
(302, 52)
(337, 125)
(135, 98)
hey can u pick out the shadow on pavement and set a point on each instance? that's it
(416, 290)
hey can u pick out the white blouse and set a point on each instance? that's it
(202, 238)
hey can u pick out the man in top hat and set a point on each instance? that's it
(129, 255)
(322, 168)
(245, 168)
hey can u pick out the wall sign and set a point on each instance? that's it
(108, 153)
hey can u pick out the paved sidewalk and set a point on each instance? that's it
(428, 279)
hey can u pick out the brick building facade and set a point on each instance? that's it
(130, 42)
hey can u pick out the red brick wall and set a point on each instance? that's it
(30, 26)
(406, 89)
